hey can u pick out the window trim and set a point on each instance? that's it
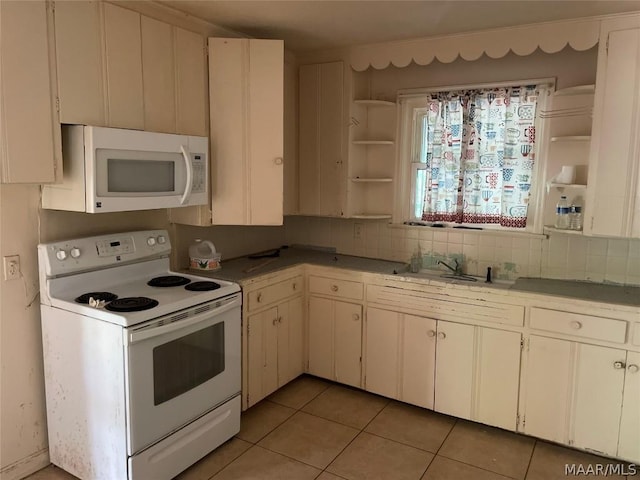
(409, 99)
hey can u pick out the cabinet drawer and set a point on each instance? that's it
(443, 307)
(274, 293)
(579, 325)
(336, 288)
(636, 334)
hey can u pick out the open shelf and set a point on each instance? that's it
(552, 229)
(371, 216)
(371, 180)
(374, 103)
(571, 138)
(561, 186)
(577, 90)
(372, 142)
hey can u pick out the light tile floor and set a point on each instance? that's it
(313, 429)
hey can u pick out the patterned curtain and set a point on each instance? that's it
(480, 155)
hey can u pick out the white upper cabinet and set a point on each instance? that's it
(30, 148)
(321, 130)
(123, 53)
(119, 68)
(79, 63)
(191, 83)
(613, 195)
(158, 64)
(246, 126)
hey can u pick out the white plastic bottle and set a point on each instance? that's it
(562, 214)
(575, 217)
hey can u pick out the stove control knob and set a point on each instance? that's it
(162, 240)
(151, 241)
(61, 255)
(75, 252)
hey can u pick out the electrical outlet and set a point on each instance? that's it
(357, 231)
(11, 267)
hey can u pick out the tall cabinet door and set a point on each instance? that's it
(348, 343)
(629, 446)
(454, 369)
(30, 150)
(266, 130)
(79, 61)
(123, 51)
(612, 196)
(418, 361)
(321, 130)
(246, 130)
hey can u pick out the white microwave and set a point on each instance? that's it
(115, 170)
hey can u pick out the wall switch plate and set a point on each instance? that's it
(357, 231)
(11, 267)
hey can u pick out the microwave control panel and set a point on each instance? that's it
(199, 182)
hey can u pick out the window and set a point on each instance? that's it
(472, 154)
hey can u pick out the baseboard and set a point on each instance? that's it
(26, 466)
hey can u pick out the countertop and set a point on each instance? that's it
(236, 270)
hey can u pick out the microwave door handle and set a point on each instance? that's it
(187, 161)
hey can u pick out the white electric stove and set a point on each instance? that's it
(142, 364)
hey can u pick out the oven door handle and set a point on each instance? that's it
(150, 331)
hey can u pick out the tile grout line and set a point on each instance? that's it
(535, 444)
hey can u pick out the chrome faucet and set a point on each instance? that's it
(456, 271)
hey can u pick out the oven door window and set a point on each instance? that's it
(186, 362)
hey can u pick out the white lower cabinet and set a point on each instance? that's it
(584, 396)
(462, 370)
(335, 340)
(274, 344)
(629, 443)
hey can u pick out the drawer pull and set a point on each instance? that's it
(576, 325)
(356, 317)
(619, 365)
(295, 286)
(442, 335)
(633, 368)
(431, 333)
(259, 298)
(334, 288)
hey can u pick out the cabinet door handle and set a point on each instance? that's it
(442, 335)
(334, 288)
(275, 320)
(279, 319)
(633, 368)
(431, 333)
(618, 365)
(259, 298)
(576, 325)
(356, 317)
(295, 286)
(278, 160)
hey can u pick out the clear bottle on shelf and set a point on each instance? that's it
(562, 214)
(575, 217)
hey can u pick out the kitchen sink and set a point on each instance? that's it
(450, 278)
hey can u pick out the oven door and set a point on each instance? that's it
(180, 367)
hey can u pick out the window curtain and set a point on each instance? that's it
(479, 149)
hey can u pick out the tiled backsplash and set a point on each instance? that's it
(510, 255)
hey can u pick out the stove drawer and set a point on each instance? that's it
(261, 297)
